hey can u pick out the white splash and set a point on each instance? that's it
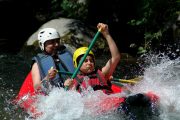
(61, 105)
(70, 105)
(162, 77)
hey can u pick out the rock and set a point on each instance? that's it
(73, 34)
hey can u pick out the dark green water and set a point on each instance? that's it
(13, 69)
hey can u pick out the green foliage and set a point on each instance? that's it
(70, 8)
(149, 37)
(151, 18)
(154, 17)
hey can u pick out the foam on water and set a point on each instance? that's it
(70, 105)
(60, 105)
(162, 77)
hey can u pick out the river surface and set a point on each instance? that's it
(160, 75)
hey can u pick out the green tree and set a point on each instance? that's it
(70, 9)
(154, 18)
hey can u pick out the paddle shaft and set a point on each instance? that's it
(64, 72)
(134, 81)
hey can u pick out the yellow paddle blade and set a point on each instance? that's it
(127, 81)
(133, 81)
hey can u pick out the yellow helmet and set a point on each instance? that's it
(79, 52)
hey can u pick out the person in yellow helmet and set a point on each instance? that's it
(89, 76)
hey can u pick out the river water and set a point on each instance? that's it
(160, 75)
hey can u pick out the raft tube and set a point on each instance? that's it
(26, 98)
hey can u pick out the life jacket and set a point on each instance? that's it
(65, 63)
(96, 80)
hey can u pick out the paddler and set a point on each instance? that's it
(54, 57)
(89, 76)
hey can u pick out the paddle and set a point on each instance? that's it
(133, 81)
(84, 56)
(65, 72)
(125, 81)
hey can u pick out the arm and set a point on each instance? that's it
(70, 84)
(36, 78)
(110, 66)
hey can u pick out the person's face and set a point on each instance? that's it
(88, 65)
(51, 46)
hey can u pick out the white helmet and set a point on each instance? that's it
(47, 34)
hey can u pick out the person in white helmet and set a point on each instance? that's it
(48, 64)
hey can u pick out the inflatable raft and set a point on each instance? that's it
(27, 96)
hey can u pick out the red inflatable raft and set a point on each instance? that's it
(26, 97)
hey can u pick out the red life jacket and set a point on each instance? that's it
(96, 80)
